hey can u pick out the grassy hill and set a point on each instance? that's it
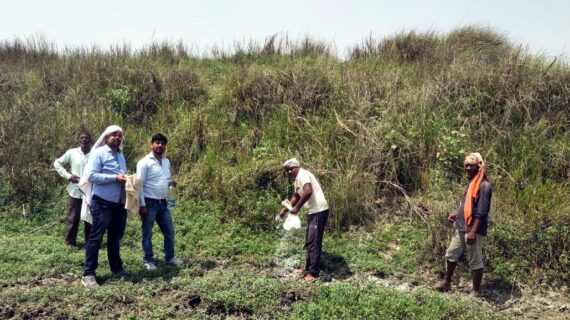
(385, 131)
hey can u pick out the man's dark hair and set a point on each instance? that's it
(82, 132)
(159, 137)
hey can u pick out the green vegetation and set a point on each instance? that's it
(385, 131)
(229, 271)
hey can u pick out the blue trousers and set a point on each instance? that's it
(157, 211)
(111, 217)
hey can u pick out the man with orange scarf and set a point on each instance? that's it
(471, 223)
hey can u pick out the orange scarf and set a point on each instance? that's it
(471, 195)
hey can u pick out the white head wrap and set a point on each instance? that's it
(101, 141)
(475, 158)
(84, 184)
(291, 163)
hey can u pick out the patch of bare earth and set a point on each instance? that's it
(512, 299)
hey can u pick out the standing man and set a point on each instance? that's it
(105, 174)
(75, 158)
(308, 193)
(471, 223)
(154, 171)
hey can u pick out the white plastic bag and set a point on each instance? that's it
(292, 222)
(287, 204)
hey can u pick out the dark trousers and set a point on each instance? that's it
(111, 217)
(72, 222)
(314, 241)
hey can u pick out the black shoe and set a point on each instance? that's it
(123, 273)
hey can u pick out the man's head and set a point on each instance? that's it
(158, 144)
(473, 163)
(84, 139)
(291, 167)
(114, 139)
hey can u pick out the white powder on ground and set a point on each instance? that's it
(289, 253)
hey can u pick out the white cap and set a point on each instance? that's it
(291, 163)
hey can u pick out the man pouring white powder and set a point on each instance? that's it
(308, 193)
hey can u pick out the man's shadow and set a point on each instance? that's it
(498, 291)
(495, 291)
(334, 266)
(164, 271)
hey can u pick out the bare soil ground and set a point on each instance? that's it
(511, 299)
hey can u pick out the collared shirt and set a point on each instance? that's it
(481, 207)
(76, 159)
(155, 177)
(317, 202)
(102, 169)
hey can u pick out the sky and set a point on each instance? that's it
(543, 26)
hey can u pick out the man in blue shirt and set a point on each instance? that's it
(154, 171)
(105, 171)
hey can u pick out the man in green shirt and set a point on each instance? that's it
(75, 158)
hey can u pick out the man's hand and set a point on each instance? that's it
(121, 178)
(472, 231)
(142, 212)
(74, 178)
(281, 215)
(471, 237)
(452, 217)
(297, 201)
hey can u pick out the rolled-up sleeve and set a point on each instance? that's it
(141, 171)
(59, 164)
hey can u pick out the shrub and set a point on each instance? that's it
(475, 43)
(137, 96)
(403, 47)
(183, 86)
(256, 93)
(309, 90)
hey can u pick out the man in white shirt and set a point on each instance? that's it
(75, 158)
(154, 171)
(308, 194)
